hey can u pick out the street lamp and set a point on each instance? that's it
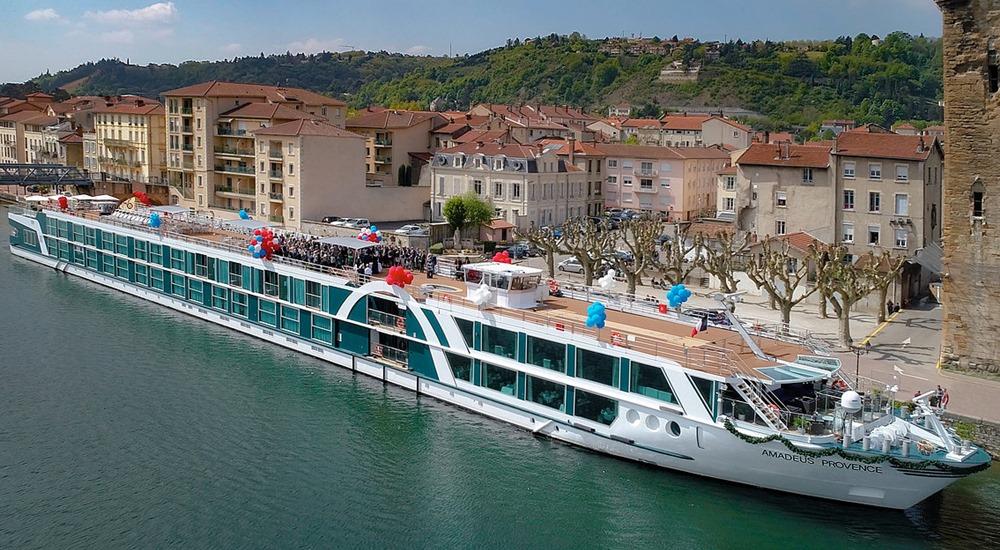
(858, 352)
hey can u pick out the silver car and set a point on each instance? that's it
(570, 265)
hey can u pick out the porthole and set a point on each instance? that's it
(652, 423)
(632, 416)
(675, 429)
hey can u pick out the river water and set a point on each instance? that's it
(123, 424)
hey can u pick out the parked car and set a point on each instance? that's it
(343, 222)
(556, 230)
(358, 223)
(412, 230)
(570, 265)
(331, 219)
(612, 211)
(532, 250)
(715, 316)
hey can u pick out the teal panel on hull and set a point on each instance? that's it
(359, 312)
(436, 325)
(413, 328)
(354, 338)
(335, 298)
(420, 360)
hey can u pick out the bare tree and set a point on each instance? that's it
(722, 254)
(884, 270)
(845, 282)
(678, 258)
(588, 243)
(638, 237)
(545, 239)
(780, 275)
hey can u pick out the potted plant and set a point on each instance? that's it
(801, 424)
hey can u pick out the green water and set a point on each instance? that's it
(126, 425)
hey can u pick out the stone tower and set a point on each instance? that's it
(971, 203)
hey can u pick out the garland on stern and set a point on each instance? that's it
(866, 459)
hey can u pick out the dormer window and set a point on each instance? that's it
(458, 161)
(498, 164)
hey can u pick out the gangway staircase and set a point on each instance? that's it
(765, 406)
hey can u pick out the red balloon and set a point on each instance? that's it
(662, 308)
(63, 202)
(256, 231)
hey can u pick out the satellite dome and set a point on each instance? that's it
(851, 401)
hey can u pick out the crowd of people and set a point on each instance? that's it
(369, 261)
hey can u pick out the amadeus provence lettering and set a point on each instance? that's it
(836, 464)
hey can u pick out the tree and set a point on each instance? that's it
(679, 255)
(780, 275)
(721, 255)
(884, 271)
(638, 237)
(462, 211)
(844, 282)
(588, 243)
(545, 239)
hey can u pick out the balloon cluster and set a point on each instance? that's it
(596, 316)
(63, 202)
(154, 220)
(677, 295)
(262, 244)
(244, 215)
(502, 257)
(607, 280)
(370, 234)
(142, 197)
(481, 295)
(398, 276)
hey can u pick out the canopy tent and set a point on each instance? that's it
(81, 197)
(248, 224)
(171, 209)
(104, 198)
(352, 243)
(37, 198)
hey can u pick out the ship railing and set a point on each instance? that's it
(388, 320)
(383, 352)
(229, 244)
(816, 424)
(779, 330)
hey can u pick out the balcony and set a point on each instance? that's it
(234, 151)
(237, 192)
(186, 191)
(276, 197)
(276, 174)
(383, 352)
(383, 143)
(187, 148)
(187, 129)
(224, 207)
(277, 218)
(645, 173)
(227, 131)
(275, 154)
(645, 189)
(186, 111)
(383, 160)
(108, 142)
(233, 169)
(381, 319)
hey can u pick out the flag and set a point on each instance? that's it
(907, 342)
(702, 326)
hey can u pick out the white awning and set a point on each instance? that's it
(171, 209)
(353, 243)
(249, 224)
(81, 197)
(104, 198)
(37, 198)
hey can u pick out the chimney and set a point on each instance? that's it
(139, 103)
(923, 146)
(767, 136)
(784, 150)
(572, 149)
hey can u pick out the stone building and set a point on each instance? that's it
(971, 262)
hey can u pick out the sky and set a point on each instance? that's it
(60, 34)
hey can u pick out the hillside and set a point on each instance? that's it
(790, 84)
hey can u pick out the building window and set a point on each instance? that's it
(627, 182)
(779, 227)
(874, 234)
(612, 163)
(441, 185)
(848, 199)
(849, 168)
(807, 175)
(613, 180)
(646, 184)
(875, 170)
(498, 190)
(992, 64)
(729, 204)
(977, 204)
(730, 183)
(902, 172)
(902, 204)
(515, 190)
(874, 202)
(781, 199)
(901, 235)
(847, 235)
(477, 187)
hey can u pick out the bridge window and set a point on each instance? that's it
(651, 382)
(547, 354)
(545, 392)
(595, 407)
(596, 366)
(500, 379)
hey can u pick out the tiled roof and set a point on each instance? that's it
(267, 111)
(800, 240)
(727, 171)
(639, 151)
(215, 88)
(451, 128)
(390, 119)
(639, 123)
(131, 108)
(685, 122)
(801, 156)
(733, 123)
(305, 127)
(887, 146)
(26, 117)
(482, 135)
(579, 147)
(513, 150)
(713, 152)
(41, 120)
(71, 137)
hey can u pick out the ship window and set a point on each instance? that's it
(468, 329)
(461, 367)
(29, 238)
(220, 298)
(545, 392)
(78, 254)
(290, 319)
(235, 274)
(322, 329)
(285, 287)
(706, 389)
(141, 275)
(121, 268)
(499, 341)
(270, 283)
(92, 259)
(267, 313)
(107, 263)
(547, 354)
(201, 265)
(90, 236)
(314, 295)
(196, 291)
(651, 382)
(500, 379)
(78, 233)
(177, 285)
(140, 250)
(177, 259)
(107, 241)
(596, 366)
(62, 229)
(121, 244)
(156, 278)
(239, 303)
(595, 407)
(156, 254)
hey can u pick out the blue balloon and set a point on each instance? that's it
(243, 214)
(600, 324)
(250, 248)
(259, 239)
(373, 228)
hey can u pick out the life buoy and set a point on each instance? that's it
(400, 323)
(840, 385)
(553, 286)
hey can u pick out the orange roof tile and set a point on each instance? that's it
(392, 119)
(305, 127)
(883, 145)
(801, 156)
(131, 108)
(216, 88)
(267, 111)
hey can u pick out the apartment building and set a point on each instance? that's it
(784, 188)
(41, 144)
(725, 203)
(889, 188)
(676, 183)
(525, 183)
(528, 123)
(130, 141)
(587, 158)
(686, 131)
(210, 144)
(391, 136)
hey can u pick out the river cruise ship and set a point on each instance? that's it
(749, 404)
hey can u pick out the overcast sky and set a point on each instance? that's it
(60, 34)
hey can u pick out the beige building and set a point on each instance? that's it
(525, 184)
(391, 137)
(725, 203)
(687, 131)
(587, 158)
(210, 145)
(41, 144)
(130, 141)
(675, 183)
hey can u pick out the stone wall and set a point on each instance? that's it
(971, 293)
(987, 434)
